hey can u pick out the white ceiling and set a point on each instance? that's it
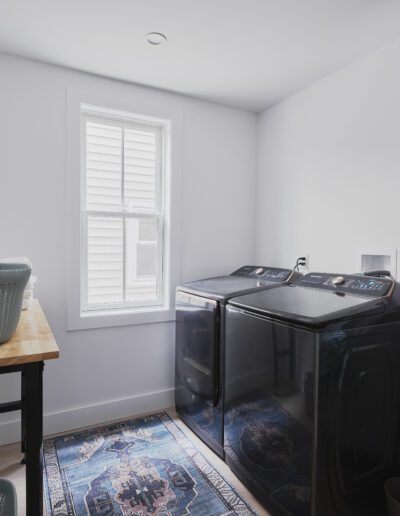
(245, 53)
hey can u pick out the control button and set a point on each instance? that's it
(339, 280)
(260, 270)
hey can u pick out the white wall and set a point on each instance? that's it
(329, 167)
(113, 372)
(327, 185)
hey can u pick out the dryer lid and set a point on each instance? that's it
(246, 279)
(225, 286)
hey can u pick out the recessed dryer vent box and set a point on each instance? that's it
(378, 259)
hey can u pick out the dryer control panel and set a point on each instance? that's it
(265, 273)
(347, 284)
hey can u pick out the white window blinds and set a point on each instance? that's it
(122, 213)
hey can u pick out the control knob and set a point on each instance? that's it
(339, 280)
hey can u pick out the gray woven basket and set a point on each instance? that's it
(8, 498)
(13, 280)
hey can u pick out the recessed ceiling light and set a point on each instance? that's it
(155, 38)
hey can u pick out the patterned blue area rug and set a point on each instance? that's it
(271, 451)
(140, 467)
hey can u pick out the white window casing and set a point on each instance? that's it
(127, 270)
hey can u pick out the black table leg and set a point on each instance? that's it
(34, 438)
(23, 402)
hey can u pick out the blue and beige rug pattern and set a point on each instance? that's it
(271, 452)
(140, 467)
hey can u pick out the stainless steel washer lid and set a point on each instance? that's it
(305, 305)
(225, 287)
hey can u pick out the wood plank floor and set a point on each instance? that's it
(10, 467)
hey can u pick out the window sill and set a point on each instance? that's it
(109, 318)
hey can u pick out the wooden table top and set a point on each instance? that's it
(32, 342)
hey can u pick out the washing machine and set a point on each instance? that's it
(312, 394)
(200, 328)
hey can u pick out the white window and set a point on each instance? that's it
(123, 212)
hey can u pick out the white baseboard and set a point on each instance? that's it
(88, 415)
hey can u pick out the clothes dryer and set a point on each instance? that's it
(200, 335)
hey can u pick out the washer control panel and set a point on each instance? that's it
(347, 284)
(265, 273)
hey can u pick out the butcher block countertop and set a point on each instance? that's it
(32, 342)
